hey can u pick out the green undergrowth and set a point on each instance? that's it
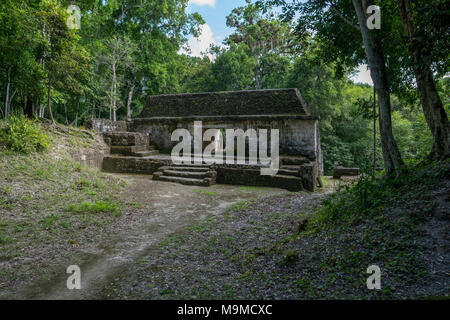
(368, 199)
(23, 135)
(95, 207)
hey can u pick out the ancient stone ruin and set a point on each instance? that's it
(143, 145)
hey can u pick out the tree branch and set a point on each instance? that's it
(341, 15)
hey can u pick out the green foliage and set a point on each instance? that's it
(95, 207)
(23, 135)
(69, 71)
(369, 198)
(352, 202)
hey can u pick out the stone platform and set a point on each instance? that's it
(295, 173)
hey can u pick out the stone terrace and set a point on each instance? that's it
(283, 109)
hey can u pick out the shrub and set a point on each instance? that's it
(23, 135)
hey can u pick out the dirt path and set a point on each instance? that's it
(174, 207)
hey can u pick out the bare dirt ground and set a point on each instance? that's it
(173, 207)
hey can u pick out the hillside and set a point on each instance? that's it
(310, 246)
(54, 210)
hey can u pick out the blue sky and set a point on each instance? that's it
(215, 30)
(214, 12)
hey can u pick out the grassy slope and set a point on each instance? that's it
(51, 208)
(291, 247)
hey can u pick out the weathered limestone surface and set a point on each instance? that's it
(253, 177)
(137, 165)
(134, 144)
(93, 154)
(126, 139)
(298, 134)
(106, 125)
(308, 173)
(254, 102)
(341, 171)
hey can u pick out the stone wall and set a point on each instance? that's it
(299, 135)
(91, 155)
(254, 102)
(253, 177)
(133, 165)
(91, 158)
(106, 125)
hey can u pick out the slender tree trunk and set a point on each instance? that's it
(114, 92)
(33, 108)
(130, 99)
(391, 155)
(65, 112)
(26, 108)
(374, 114)
(11, 99)
(432, 106)
(49, 104)
(8, 86)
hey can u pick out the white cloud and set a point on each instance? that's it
(363, 75)
(200, 45)
(211, 3)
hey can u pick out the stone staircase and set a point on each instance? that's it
(187, 174)
(301, 168)
(132, 144)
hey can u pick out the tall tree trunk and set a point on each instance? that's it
(391, 155)
(374, 115)
(33, 108)
(65, 112)
(11, 99)
(49, 104)
(26, 106)
(41, 110)
(130, 99)
(432, 106)
(8, 86)
(114, 92)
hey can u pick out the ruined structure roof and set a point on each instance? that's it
(254, 102)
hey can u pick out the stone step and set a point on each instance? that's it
(290, 167)
(292, 160)
(288, 172)
(190, 165)
(288, 182)
(133, 151)
(146, 153)
(185, 181)
(192, 169)
(189, 174)
(126, 150)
